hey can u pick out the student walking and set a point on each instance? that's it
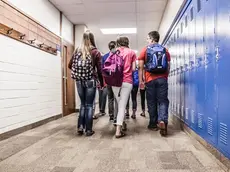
(112, 49)
(86, 70)
(156, 60)
(122, 93)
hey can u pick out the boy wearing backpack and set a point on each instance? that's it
(155, 60)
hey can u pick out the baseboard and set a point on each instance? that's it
(17, 131)
(224, 162)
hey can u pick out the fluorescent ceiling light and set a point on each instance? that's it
(119, 31)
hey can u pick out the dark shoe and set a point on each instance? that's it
(111, 118)
(95, 117)
(120, 135)
(142, 114)
(153, 128)
(163, 128)
(80, 131)
(124, 127)
(89, 133)
(133, 116)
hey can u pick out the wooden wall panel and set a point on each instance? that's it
(11, 17)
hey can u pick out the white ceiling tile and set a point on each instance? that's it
(145, 15)
(152, 5)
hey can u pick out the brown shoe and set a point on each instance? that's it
(163, 128)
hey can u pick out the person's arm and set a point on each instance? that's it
(134, 62)
(169, 59)
(99, 69)
(141, 61)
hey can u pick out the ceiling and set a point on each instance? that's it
(145, 15)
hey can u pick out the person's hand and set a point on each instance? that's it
(142, 85)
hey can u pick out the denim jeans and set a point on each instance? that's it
(157, 101)
(134, 98)
(87, 92)
(102, 99)
(110, 100)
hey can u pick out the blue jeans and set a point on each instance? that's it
(102, 99)
(157, 101)
(86, 91)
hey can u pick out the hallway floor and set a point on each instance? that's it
(54, 147)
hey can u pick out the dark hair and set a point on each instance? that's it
(154, 35)
(123, 41)
(112, 45)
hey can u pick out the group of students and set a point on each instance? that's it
(118, 74)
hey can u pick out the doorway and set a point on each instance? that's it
(67, 82)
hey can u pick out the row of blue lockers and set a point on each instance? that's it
(199, 82)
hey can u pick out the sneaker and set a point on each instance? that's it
(111, 117)
(163, 128)
(134, 114)
(90, 133)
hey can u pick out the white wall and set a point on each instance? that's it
(42, 11)
(171, 10)
(67, 30)
(30, 85)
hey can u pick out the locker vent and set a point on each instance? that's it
(210, 126)
(186, 114)
(182, 111)
(178, 108)
(193, 116)
(223, 133)
(200, 120)
(186, 21)
(191, 13)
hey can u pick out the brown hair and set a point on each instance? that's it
(123, 41)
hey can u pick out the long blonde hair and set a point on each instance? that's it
(88, 42)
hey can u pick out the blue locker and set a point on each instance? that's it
(210, 107)
(182, 61)
(223, 70)
(200, 67)
(192, 69)
(186, 71)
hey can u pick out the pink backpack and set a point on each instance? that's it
(113, 69)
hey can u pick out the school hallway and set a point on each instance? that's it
(54, 147)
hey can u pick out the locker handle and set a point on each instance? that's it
(191, 64)
(217, 53)
(198, 61)
(185, 67)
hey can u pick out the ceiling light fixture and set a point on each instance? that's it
(119, 31)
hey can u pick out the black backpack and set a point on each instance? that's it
(82, 69)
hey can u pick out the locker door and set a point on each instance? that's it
(178, 72)
(223, 70)
(192, 69)
(182, 53)
(200, 68)
(186, 71)
(210, 73)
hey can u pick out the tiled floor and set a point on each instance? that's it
(54, 147)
